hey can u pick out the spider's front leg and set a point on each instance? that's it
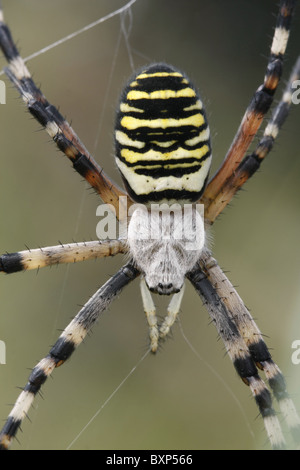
(246, 346)
(69, 340)
(238, 353)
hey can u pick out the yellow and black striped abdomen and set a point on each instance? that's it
(162, 138)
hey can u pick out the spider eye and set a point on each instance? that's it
(162, 137)
(164, 289)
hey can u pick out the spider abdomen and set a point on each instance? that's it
(162, 137)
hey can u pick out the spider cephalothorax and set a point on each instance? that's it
(165, 244)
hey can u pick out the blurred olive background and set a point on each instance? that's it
(175, 400)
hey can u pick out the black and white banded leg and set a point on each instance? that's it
(69, 340)
(246, 347)
(252, 162)
(54, 123)
(219, 190)
(65, 253)
(254, 341)
(239, 354)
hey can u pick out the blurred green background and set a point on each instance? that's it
(175, 400)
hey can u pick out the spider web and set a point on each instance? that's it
(172, 400)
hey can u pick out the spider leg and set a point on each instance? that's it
(215, 196)
(251, 163)
(50, 255)
(238, 353)
(254, 341)
(56, 126)
(69, 340)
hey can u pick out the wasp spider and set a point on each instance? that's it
(163, 152)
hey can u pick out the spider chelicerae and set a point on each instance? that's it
(205, 293)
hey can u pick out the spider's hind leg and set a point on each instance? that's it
(55, 124)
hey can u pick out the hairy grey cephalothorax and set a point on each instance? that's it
(166, 241)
